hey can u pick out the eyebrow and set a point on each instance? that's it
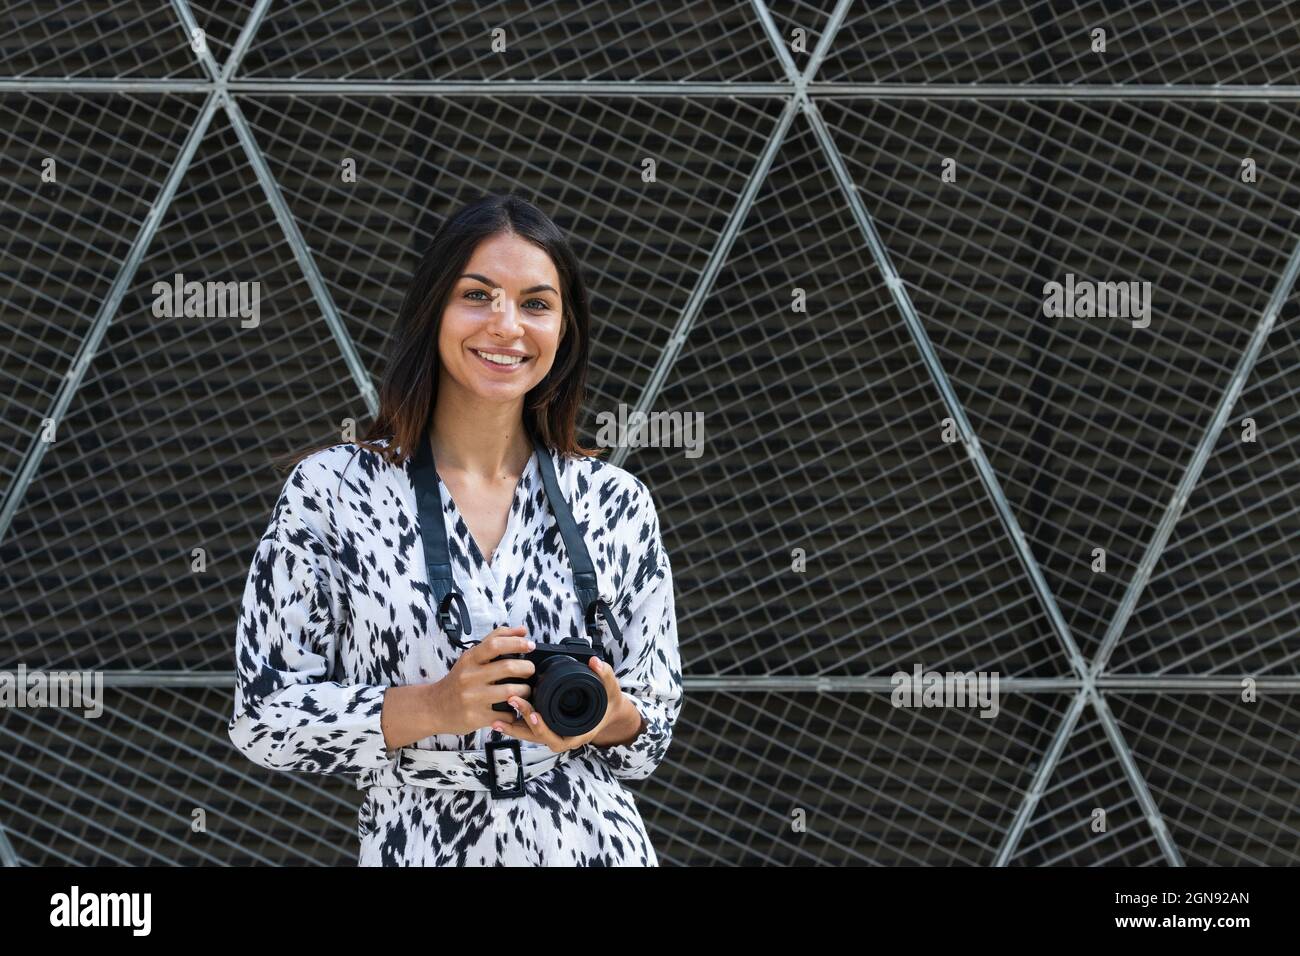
(529, 291)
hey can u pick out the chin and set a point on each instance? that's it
(490, 391)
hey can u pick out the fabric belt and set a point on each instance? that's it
(501, 768)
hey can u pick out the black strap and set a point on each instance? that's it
(433, 531)
(584, 572)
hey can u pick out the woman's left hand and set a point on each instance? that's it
(531, 727)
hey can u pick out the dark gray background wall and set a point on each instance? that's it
(776, 169)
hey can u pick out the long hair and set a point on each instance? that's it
(410, 387)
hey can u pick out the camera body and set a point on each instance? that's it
(567, 694)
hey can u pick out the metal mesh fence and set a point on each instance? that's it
(947, 458)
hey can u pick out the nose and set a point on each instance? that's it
(505, 322)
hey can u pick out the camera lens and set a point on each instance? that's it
(571, 703)
(571, 699)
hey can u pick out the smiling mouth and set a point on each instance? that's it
(500, 361)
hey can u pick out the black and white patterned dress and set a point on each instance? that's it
(337, 608)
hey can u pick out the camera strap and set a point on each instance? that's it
(433, 532)
(437, 558)
(584, 572)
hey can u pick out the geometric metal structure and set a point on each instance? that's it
(949, 461)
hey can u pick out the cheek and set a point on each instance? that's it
(453, 331)
(553, 337)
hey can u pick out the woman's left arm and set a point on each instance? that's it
(648, 668)
(645, 686)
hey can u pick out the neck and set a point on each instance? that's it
(484, 440)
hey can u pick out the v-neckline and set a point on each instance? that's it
(511, 517)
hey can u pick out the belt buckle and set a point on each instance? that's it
(498, 791)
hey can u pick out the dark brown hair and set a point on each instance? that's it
(410, 386)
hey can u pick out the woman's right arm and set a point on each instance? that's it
(287, 714)
(461, 702)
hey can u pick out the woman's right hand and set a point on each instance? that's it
(461, 702)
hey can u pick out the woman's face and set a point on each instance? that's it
(506, 303)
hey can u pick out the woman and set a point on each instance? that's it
(345, 663)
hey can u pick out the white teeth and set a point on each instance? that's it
(499, 359)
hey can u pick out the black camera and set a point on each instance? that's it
(566, 692)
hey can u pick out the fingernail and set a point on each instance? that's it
(531, 645)
(533, 718)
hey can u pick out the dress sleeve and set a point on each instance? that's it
(649, 668)
(288, 715)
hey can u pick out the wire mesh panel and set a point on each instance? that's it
(1038, 41)
(825, 511)
(418, 158)
(130, 550)
(1088, 814)
(99, 162)
(800, 779)
(1090, 419)
(827, 232)
(142, 39)
(1223, 771)
(1222, 598)
(606, 40)
(150, 782)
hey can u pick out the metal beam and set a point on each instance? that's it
(530, 88)
(50, 84)
(190, 25)
(1136, 781)
(952, 404)
(1053, 91)
(1038, 785)
(245, 39)
(1156, 546)
(8, 857)
(816, 684)
(107, 309)
(302, 254)
(982, 465)
(718, 256)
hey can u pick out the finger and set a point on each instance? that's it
(537, 725)
(497, 693)
(519, 728)
(512, 668)
(606, 675)
(501, 695)
(523, 728)
(512, 640)
(488, 648)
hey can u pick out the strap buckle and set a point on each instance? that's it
(451, 625)
(516, 788)
(596, 611)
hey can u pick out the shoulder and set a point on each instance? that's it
(603, 481)
(622, 508)
(315, 483)
(615, 497)
(346, 462)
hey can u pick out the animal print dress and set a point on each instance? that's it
(337, 608)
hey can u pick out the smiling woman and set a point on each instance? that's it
(428, 657)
